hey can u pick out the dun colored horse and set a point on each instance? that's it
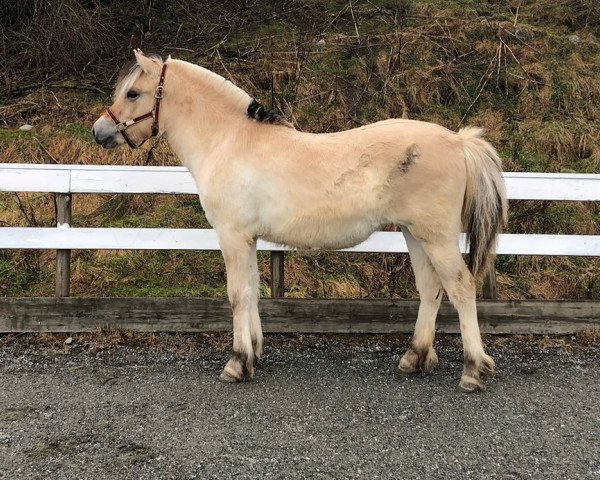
(259, 177)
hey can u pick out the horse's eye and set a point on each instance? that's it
(131, 94)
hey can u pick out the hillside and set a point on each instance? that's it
(525, 70)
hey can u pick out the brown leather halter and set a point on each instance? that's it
(158, 95)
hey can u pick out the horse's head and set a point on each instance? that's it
(133, 116)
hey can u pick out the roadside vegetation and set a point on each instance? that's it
(525, 70)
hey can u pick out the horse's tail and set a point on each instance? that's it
(485, 206)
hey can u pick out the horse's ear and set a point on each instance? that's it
(150, 66)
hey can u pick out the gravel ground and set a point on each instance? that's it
(124, 406)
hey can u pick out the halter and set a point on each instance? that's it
(158, 95)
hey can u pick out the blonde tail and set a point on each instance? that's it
(485, 206)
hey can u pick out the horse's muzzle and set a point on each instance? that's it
(105, 135)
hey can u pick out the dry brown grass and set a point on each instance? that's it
(565, 343)
(194, 343)
(511, 70)
(590, 336)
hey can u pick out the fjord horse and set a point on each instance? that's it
(259, 177)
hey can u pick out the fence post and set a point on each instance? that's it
(63, 257)
(489, 284)
(277, 285)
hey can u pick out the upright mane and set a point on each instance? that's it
(247, 104)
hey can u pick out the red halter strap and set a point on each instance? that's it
(158, 95)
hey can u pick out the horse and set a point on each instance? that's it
(259, 177)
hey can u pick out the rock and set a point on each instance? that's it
(574, 39)
(522, 34)
(26, 127)
(321, 42)
(69, 341)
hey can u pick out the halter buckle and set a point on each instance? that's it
(158, 94)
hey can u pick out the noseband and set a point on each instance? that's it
(158, 95)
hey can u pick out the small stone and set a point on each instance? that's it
(69, 341)
(574, 39)
(321, 42)
(26, 127)
(522, 34)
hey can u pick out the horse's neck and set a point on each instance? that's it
(203, 112)
(198, 143)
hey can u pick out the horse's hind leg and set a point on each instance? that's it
(420, 356)
(444, 254)
(242, 290)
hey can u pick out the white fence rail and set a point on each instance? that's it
(105, 179)
(17, 177)
(206, 239)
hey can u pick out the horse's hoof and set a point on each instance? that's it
(226, 378)
(233, 371)
(402, 373)
(417, 360)
(474, 371)
(470, 385)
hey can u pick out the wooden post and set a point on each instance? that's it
(63, 257)
(489, 284)
(277, 285)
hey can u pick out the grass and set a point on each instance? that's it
(186, 343)
(78, 131)
(513, 71)
(8, 136)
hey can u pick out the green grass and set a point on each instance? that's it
(540, 104)
(9, 135)
(25, 280)
(77, 130)
(529, 161)
(145, 290)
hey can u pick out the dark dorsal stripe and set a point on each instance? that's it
(261, 114)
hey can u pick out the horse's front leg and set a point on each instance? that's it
(255, 324)
(239, 253)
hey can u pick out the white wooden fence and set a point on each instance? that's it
(107, 179)
(65, 180)
(69, 179)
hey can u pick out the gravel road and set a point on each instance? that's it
(124, 406)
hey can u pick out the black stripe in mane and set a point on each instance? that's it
(259, 113)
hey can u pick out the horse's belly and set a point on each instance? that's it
(322, 233)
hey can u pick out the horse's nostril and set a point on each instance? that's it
(96, 139)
